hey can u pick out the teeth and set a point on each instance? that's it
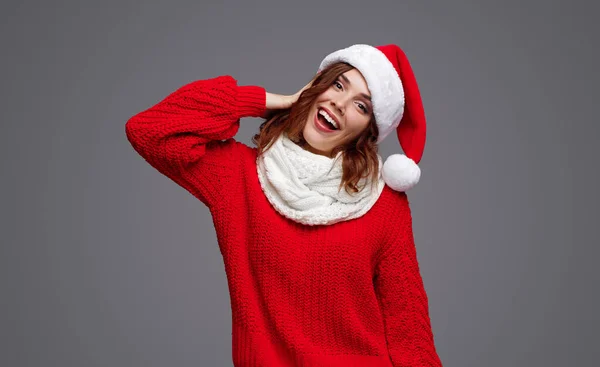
(328, 118)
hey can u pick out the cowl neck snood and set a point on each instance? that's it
(303, 186)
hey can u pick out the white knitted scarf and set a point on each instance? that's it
(303, 186)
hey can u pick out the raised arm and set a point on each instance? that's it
(182, 135)
(401, 293)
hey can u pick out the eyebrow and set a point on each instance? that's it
(348, 82)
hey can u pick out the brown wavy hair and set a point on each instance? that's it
(359, 157)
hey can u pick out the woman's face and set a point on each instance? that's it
(346, 101)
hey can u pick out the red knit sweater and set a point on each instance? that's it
(347, 294)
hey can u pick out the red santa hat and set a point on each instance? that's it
(396, 103)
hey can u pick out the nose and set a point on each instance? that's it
(339, 104)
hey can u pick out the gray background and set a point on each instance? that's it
(105, 262)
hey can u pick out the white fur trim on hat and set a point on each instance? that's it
(400, 172)
(382, 79)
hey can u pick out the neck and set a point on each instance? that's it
(311, 149)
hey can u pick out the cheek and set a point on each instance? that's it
(357, 122)
(327, 94)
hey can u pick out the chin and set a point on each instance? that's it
(316, 139)
(316, 147)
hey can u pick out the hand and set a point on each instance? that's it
(280, 102)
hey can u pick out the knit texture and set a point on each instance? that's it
(345, 294)
(304, 186)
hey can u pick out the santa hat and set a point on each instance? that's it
(396, 103)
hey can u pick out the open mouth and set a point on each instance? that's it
(326, 121)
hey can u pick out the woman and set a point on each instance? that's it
(315, 231)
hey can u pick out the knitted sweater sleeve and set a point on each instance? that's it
(182, 135)
(400, 291)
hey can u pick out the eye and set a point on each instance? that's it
(336, 83)
(362, 107)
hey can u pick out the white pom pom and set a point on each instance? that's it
(400, 172)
